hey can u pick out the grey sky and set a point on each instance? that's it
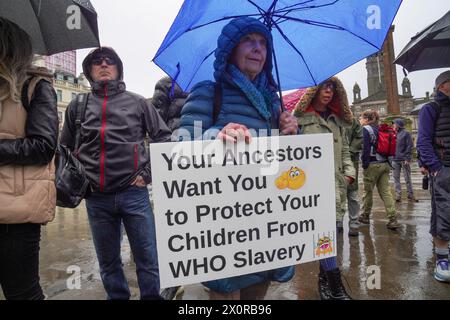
(137, 28)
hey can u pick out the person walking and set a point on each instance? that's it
(402, 161)
(113, 152)
(376, 172)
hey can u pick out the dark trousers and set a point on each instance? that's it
(106, 213)
(19, 261)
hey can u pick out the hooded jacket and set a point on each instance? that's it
(404, 145)
(113, 132)
(339, 120)
(169, 106)
(235, 105)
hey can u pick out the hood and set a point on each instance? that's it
(88, 61)
(338, 106)
(231, 36)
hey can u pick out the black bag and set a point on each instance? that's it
(72, 184)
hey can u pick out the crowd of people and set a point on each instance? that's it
(242, 100)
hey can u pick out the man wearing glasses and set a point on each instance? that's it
(112, 150)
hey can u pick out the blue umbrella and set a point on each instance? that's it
(313, 40)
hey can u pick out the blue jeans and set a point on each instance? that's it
(106, 213)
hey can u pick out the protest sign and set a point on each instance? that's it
(226, 210)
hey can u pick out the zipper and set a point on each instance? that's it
(102, 142)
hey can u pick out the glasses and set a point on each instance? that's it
(328, 85)
(97, 61)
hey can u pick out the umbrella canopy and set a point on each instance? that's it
(290, 100)
(54, 25)
(313, 40)
(429, 49)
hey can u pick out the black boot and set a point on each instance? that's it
(337, 290)
(324, 289)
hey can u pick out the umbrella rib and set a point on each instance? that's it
(291, 8)
(329, 26)
(200, 26)
(221, 19)
(296, 50)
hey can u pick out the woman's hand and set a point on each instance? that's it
(234, 132)
(288, 123)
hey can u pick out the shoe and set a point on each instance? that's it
(363, 219)
(398, 199)
(413, 199)
(324, 290)
(441, 271)
(171, 293)
(393, 224)
(337, 289)
(353, 232)
(339, 227)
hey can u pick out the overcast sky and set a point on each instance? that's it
(136, 29)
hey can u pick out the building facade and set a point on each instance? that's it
(66, 84)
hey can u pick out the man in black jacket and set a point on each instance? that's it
(112, 150)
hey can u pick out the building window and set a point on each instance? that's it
(59, 95)
(74, 95)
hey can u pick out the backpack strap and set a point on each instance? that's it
(373, 139)
(217, 101)
(82, 100)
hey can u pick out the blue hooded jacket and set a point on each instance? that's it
(235, 105)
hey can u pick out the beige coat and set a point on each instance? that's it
(27, 193)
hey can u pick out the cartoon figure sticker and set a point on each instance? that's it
(293, 179)
(324, 246)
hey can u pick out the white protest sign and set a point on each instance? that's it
(227, 210)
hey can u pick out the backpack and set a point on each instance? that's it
(385, 143)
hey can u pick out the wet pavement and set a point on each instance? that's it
(403, 259)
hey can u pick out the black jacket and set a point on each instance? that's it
(169, 107)
(41, 129)
(113, 133)
(403, 151)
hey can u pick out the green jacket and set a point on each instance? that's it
(337, 123)
(355, 139)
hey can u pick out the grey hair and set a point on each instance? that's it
(16, 56)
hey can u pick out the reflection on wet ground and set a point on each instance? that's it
(404, 258)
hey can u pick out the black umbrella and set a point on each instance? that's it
(429, 49)
(54, 25)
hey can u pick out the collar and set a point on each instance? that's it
(108, 88)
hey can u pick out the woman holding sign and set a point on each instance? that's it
(242, 100)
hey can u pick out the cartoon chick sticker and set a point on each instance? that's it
(324, 246)
(293, 179)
